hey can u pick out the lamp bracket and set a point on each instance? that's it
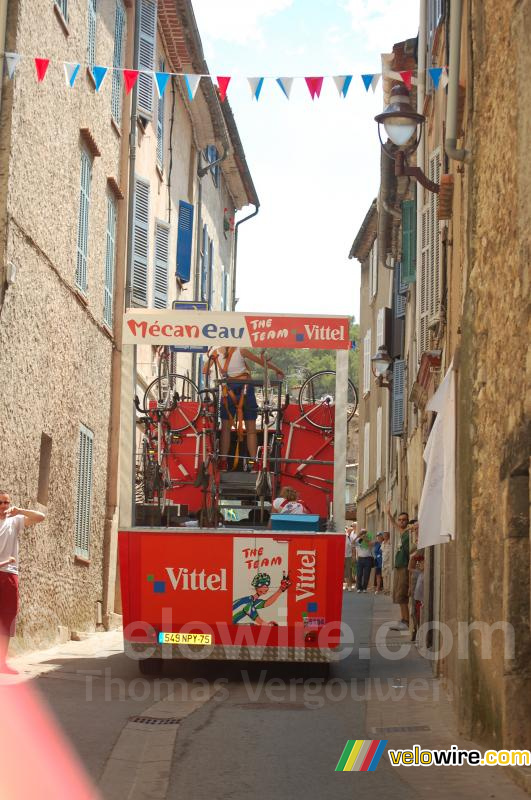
(403, 168)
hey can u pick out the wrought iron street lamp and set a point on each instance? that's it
(401, 122)
(381, 364)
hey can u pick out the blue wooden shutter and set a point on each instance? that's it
(162, 252)
(84, 492)
(400, 289)
(146, 56)
(409, 241)
(184, 241)
(110, 247)
(83, 221)
(204, 265)
(397, 411)
(160, 126)
(116, 95)
(140, 242)
(91, 33)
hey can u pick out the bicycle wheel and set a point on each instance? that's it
(179, 394)
(317, 399)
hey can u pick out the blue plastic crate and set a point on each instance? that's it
(295, 522)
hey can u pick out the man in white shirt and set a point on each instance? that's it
(13, 520)
(239, 406)
(347, 574)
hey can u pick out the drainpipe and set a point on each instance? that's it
(255, 212)
(456, 13)
(133, 138)
(129, 355)
(3, 25)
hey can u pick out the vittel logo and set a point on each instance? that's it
(195, 581)
(305, 586)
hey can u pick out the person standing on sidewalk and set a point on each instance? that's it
(363, 561)
(347, 573)
(401, 575)
(378, 561)
(13, 520)
(386, 562)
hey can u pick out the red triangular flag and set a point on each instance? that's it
(130, 76)
(314, 85)
(223, 83)
(406, 77)
(41, 65)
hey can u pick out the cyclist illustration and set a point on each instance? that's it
(245, 609)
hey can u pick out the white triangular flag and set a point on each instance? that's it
(71, 71)
(192, 82)
(256, 86)
(12, 60)
(285, 84)
(339, 80)
(374, 82)
(444, 78)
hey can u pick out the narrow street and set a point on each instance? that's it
(207, 730)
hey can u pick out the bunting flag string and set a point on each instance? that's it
(438, 78)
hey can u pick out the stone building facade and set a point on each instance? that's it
(64, 243)
(467, 306)
(62, 165)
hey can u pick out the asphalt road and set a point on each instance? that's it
(274, 730)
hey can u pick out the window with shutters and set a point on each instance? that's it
(117, 60)
(373, 271)
(429, 279)
(397, 409)
(434, 16)
(211, 154)
(91, 33)
(84, 492)
(140, 243)
(366, 454)
(367, 362)
(160, 272)
(409, 241)
(62, 5)
(184, 241)
(110, 250)
(83, 222)
(379, 443)
(160, 126)
(146, 56)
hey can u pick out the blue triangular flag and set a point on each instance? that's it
(348, 79)
(98, 73)
(367, 80)
(161, 79)
(435, 75)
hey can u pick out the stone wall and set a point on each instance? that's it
(55, 354)
(493, 443)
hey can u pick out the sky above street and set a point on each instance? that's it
(314, 163)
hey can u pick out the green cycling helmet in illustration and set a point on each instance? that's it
(261, 579)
